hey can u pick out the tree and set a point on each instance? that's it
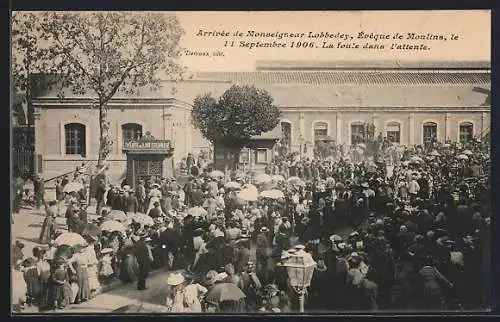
(29, 59)
(240, 113)
(106, 53)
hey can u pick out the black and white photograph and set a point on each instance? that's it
(250, 162)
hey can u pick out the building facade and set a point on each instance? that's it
(407, 103)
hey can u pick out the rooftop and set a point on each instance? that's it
(262, 65)
(348, 77)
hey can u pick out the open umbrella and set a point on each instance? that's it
(74, 186)
(272, 194)
(142, 219)
(468, 152)
(224, 292)
(296, 181)
(197, 211)
(250, 187)
(70, 239)
(416, 159)
(247, 195)
(361, 145)
(232, 185)
(117, 215)
(278, 178)
(92, 230)
(112, 225)
(217, 174)
(462, 157)
(262, 178)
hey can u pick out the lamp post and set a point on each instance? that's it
(300, 268)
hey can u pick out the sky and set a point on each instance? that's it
(472, 28)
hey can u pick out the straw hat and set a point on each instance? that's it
(175, 279)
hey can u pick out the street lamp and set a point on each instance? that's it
(300, 268)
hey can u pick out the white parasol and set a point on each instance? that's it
(468, 152)
(142, 219)
(262, 178)
(248, 194)
(70, 239)
(462, 157)
(296, 181)
(272, 194)
(74, 186)
(217, 174)
(278, 178)
(117, 215)
(197, 211)
(416, 159)
(112, 225)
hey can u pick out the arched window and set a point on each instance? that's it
(320, 131)
(358, 134)
(466, 132)
(75, 144)
(429, 131)
(393, 132)
(131, 132)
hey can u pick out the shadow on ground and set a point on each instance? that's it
(32, 240)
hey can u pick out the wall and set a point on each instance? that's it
(51, 130)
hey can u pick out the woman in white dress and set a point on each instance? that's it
(154, 196)
(175, 297)
(93, 269)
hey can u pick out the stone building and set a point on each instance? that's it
(406, 102)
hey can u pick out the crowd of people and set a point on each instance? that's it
(406, 229)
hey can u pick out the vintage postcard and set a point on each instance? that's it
(251, 162)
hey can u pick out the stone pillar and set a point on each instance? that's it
(302, 125)
(166, 125)
(119, 139)
(485, 126)
(447, 126)
(411, 129)
(37, 120)
(338, 127)
(375, 123)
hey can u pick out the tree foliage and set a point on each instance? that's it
(240, 113)
(29, 58)
(105, 53)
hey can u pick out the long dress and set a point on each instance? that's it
(61, 290)
(48, 228)
(92, 269)
(82, 278)
(19, 290)
(192, 294)
(33, 285)
(43, 268)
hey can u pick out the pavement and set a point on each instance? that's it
(26, 228)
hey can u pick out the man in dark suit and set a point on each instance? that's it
(132, 202)
(144, 257)
(156, 212)
(171, 241)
